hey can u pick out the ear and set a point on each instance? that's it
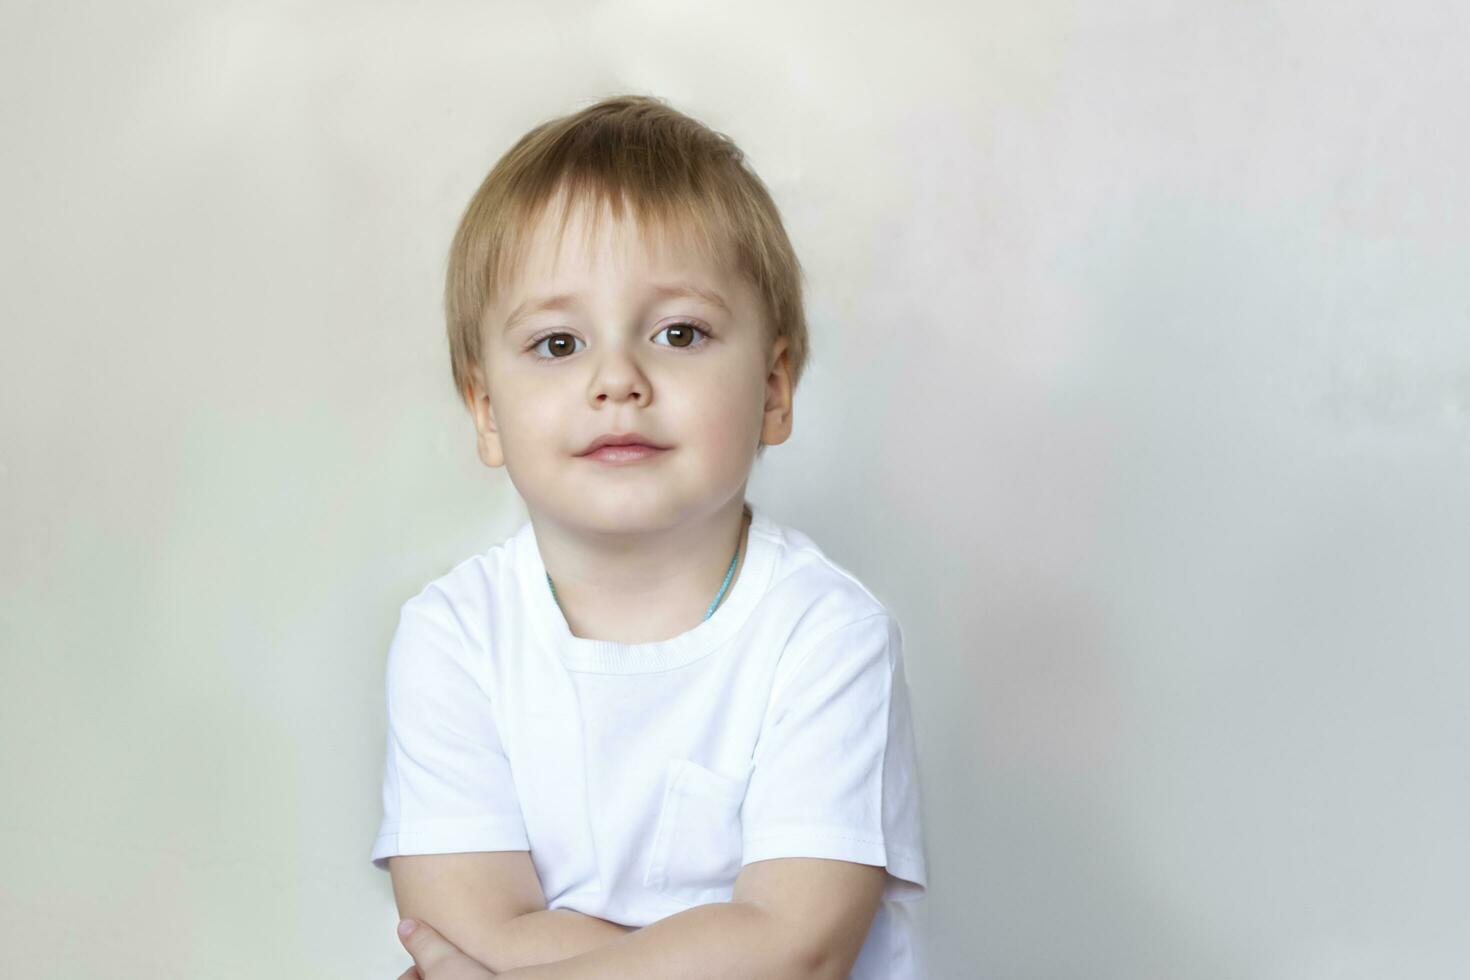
(776, 427)
(487, 436)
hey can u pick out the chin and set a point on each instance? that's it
(603, 511)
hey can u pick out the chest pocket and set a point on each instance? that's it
(697, 845)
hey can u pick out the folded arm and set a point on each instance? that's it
(789, 919)
(551, 935)
(490, 905)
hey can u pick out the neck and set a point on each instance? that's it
(643, 586)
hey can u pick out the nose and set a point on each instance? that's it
(618, 378)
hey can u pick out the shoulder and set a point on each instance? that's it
(461, 602)
(819, 597)
(839, 646)
(477, 582)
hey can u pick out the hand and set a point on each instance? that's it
(436, 958)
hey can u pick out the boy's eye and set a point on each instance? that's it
(684, 332)
(560, 344)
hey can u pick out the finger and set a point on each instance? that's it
(426, 946)
(412, 973)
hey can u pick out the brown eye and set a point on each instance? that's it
(559, 345)
(683, 334)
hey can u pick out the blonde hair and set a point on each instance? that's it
(624, 151)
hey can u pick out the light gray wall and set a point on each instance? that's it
(1141, 393)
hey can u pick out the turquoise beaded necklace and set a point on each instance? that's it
(723, 586)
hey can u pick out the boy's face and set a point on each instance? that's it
(622, 352)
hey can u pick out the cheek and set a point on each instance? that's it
(722, 401)
(724, 418)
(524, 418)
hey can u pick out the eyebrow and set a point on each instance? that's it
(562, 301)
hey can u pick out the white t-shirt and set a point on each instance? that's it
(641, 777)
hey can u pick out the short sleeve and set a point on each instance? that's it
(835, 772)
(447, 784)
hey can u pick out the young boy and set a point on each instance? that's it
(654, 733)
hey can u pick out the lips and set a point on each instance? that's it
(621, 439)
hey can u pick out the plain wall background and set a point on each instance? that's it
(1140, 392)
